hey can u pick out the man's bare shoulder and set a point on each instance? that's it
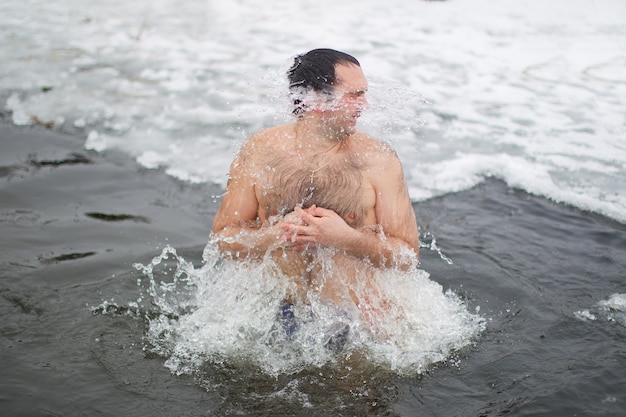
(371, 147)
(273, 136)
(266, 142)
(385, 171)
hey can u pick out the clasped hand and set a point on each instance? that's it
(313, 226)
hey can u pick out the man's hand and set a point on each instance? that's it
(290, 241)
(324, 227)
(317, 226)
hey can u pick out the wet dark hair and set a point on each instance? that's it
(315, 70)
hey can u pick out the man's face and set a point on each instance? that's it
(348, 97)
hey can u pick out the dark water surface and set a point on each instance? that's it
(72, 223)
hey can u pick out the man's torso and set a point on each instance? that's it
(340, 182)
(343, 184)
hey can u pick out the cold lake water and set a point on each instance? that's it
(118, 125)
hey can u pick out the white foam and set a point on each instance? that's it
(613, 310)
(530, 92)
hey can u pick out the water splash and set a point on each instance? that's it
(428, 241)
(613, 310)
(234, 313)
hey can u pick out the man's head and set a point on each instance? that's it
(315, 71)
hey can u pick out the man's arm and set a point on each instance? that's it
(236, 227)
(238, 231)
(394, 212)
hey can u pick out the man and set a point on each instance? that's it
(319, 188)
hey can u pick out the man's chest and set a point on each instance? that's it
(341, 185)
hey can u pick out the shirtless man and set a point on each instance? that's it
(319, 185)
